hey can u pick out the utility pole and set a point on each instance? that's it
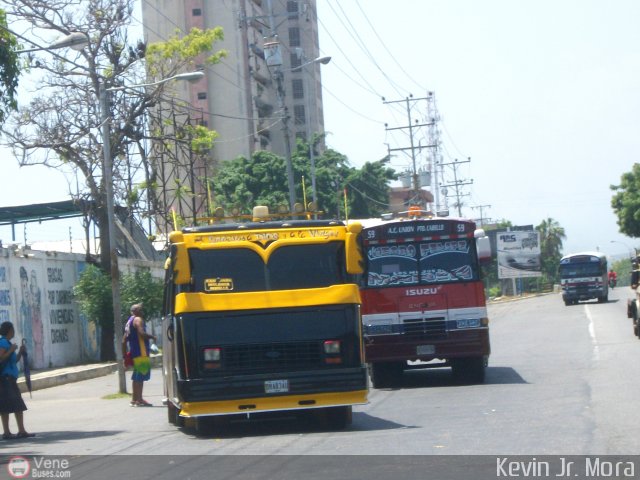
(411, 126)
(434, 143)
(273, 58)
(481, 207)
(458, 183)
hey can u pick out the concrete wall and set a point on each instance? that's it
(36, 295)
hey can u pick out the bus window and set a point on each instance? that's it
(392, 265)
(447, 261)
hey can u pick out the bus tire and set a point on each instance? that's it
(172, 413)
(337, 418)
(210, 425)
(468, 370)
(386, 375)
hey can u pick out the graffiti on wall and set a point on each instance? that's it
(5, 296)
(30, 315)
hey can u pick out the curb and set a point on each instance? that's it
(62, 376)
(507, 299)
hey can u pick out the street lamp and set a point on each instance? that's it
(273, 58)
(312, 157)
(75, 40)
(107, 172)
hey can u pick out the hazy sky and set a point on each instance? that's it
(542, 95)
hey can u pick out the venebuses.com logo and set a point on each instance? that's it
(38, 467)
(18, 467)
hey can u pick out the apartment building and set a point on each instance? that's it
(252, 105)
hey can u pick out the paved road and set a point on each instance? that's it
(562, 380)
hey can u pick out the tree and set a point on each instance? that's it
(141, 287)
(262, 180)
(61, 126)
(551, 237)
(9, 69)
(368, 189)
(92, 293)
(626, 202)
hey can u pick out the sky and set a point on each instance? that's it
(541, 95)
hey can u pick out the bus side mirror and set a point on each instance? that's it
(353, 249)
(181, 268)
(483, 247)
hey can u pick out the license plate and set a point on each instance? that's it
(276, 386)
(425, 349)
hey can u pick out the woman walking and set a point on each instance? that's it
(10, 396)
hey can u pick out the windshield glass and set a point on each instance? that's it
(573, 270)
(421, 263)
(290, 267)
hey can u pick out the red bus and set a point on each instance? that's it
(423, 298)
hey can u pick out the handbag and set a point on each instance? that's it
(128, 360)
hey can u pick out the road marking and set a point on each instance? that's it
(592, 334)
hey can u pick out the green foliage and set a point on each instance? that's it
(202, 139)
(93, 295)
(245, 183)
(368, 190)
(495, 292)
(183, 50)
(626, 202)
(262, 180)
(141, 287)
(9, 69)
(623, 269)
(551, 237)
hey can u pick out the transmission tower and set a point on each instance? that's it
(435, 158)
(457, 183)
(413, 127)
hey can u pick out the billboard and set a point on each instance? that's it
(518, 254)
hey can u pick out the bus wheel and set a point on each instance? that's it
(337, 418)
(172, 413)
(468, 370)
(210, 425)
(386, 375)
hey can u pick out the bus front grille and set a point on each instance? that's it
(425, 327)
(271, 356)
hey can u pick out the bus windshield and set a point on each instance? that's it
(289, 267)
(586, 269)
(421, 263)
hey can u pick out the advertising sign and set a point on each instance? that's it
(519, 254)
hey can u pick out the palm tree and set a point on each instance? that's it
(551, 237)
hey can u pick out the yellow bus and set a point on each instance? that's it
(263, 316)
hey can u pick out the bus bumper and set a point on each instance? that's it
(460, 344)
(248, 393)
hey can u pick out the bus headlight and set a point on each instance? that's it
(332, 350)
(332, 347)
(212, 356)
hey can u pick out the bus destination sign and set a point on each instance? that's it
(420, 228)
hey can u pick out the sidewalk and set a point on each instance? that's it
(59, 376)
